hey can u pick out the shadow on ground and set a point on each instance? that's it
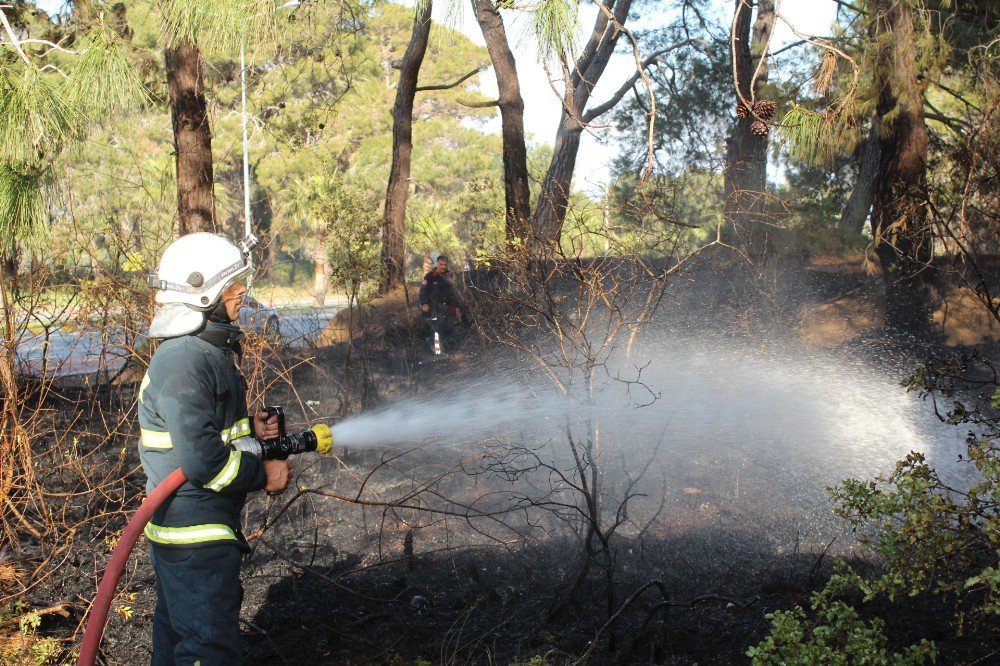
(497, 607)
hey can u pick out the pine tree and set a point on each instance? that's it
(191, 26)
(746, 147)
(398, 188)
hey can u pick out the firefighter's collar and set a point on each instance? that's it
(225, 336)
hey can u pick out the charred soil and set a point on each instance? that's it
(393, 557)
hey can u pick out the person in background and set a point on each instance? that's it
(438, 300)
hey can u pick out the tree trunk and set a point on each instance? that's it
(393, 255)
(746, 153)
(553, 200)
(554, 197)
(515, 153)
(262, 214)
(855, 212)
(899, 209)
(321, 271)
(192, 140)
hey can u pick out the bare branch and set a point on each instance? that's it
(611, 102)
(455, 84)
(478, 105)
(13, 38)
(763, 54)
(53, 46)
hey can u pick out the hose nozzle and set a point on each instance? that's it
(324, 438)
(319, 438)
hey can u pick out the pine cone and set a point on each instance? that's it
(760, 128)
(765, 109)
(741, 110)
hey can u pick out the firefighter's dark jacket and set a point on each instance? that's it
(192, 404)
(437, 289)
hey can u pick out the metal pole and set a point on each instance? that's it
(248, 226)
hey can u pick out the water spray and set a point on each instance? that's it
(319, 438)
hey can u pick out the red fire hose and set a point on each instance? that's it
(318, 438)
(106, 590)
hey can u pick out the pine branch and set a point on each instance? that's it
(478, 105)
(954, 124)
(555, 25)
(455, 84)
(796, 44)
(853, 8)
(21, 205)
(219, 26)
(106, 79)
(610, 103)
(957, 95)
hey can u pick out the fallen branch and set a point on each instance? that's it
(61, 609)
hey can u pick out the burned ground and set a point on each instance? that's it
(407, 572)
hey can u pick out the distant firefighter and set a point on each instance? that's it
(439, 301)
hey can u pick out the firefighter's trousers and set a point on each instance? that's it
(198, 596)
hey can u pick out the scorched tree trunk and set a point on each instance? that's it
(398, 189)
(192, 140)
(515, 153)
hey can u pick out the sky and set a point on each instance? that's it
(542, 106)
(541, 103)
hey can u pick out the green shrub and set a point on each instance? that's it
(928, 537)
(832, 633)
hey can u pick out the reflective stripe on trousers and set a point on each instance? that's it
(185, 536)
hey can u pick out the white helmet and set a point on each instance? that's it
(195, 269)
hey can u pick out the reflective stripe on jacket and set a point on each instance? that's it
(192, 403)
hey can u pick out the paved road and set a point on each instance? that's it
(79, 351)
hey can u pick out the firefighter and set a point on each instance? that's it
(438, 300)
(437, 292)
(193, 415)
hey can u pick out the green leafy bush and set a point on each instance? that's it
(832, 633)
(931, 536)
(928, 536)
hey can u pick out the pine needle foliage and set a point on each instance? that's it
(817, 138)
(35, 118)
(21, 205)
(219, 26)
(555, 24)
(43, 109)
(827, 70)
(106, 80)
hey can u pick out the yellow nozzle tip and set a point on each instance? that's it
(324, 438)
